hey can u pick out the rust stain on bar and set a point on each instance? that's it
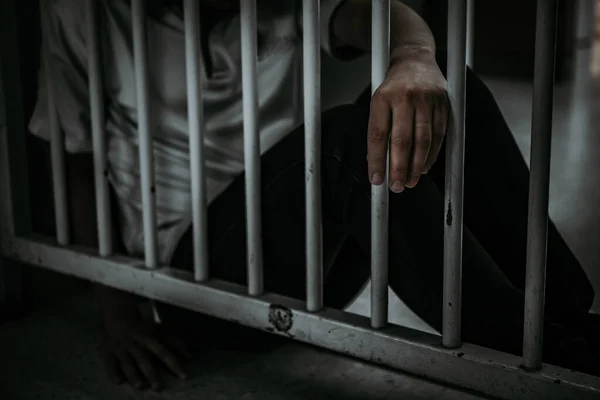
(449, 214)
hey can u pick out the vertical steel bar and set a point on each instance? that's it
(380, 45)
(193, 56)
(146, 153)
(103, 213)
(312, 151)
(470, 32)
(57, 141)
(539, 181)
(251, 146)
(455, 148)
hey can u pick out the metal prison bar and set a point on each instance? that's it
(487, 371)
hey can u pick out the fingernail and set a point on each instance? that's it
(397, 187)
(376, 179)
(412, 183)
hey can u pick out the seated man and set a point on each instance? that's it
(413, 94)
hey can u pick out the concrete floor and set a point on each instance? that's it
(52, 354)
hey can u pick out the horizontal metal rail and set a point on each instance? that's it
(484, 370)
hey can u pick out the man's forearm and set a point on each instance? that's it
(409, 33)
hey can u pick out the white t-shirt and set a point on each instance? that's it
(280, 102)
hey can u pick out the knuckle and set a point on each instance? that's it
(433, 97)
(376, 135)
(409, 94)
(425, 96)
(423, 125)
(430, 95)
(382, 94)
(424, 140)
(406, 94)
(401, 141)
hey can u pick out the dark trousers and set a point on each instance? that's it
(495, 212)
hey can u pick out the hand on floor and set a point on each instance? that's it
(132, 347)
